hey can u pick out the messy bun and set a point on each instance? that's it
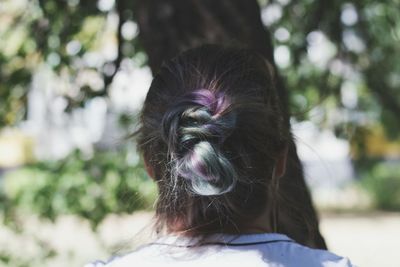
(195, 128)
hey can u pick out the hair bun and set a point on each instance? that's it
(199, 124)
(194, 129)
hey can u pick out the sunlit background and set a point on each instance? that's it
(73, 78)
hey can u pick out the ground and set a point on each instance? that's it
(368, 239)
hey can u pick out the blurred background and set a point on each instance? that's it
(73, 77)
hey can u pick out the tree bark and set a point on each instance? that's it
(168, 27)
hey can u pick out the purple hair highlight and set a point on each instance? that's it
(215, 102)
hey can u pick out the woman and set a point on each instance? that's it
(214, 140)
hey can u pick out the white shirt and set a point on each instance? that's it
(253, 250)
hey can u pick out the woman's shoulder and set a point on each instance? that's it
(281, 250)
(259, 250)
(145, 256)
(306, 256)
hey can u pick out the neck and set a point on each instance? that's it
(264, 223)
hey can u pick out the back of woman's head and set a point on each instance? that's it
(211, 131)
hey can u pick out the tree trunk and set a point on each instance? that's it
(168, 27)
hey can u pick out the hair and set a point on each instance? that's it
(211, 129)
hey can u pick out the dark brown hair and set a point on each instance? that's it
(211, 131)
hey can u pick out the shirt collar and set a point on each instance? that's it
(221, 239)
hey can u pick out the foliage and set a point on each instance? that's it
(383, 182)
(334, 49)
(90, 188)
(71, 37)
(340, 48)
